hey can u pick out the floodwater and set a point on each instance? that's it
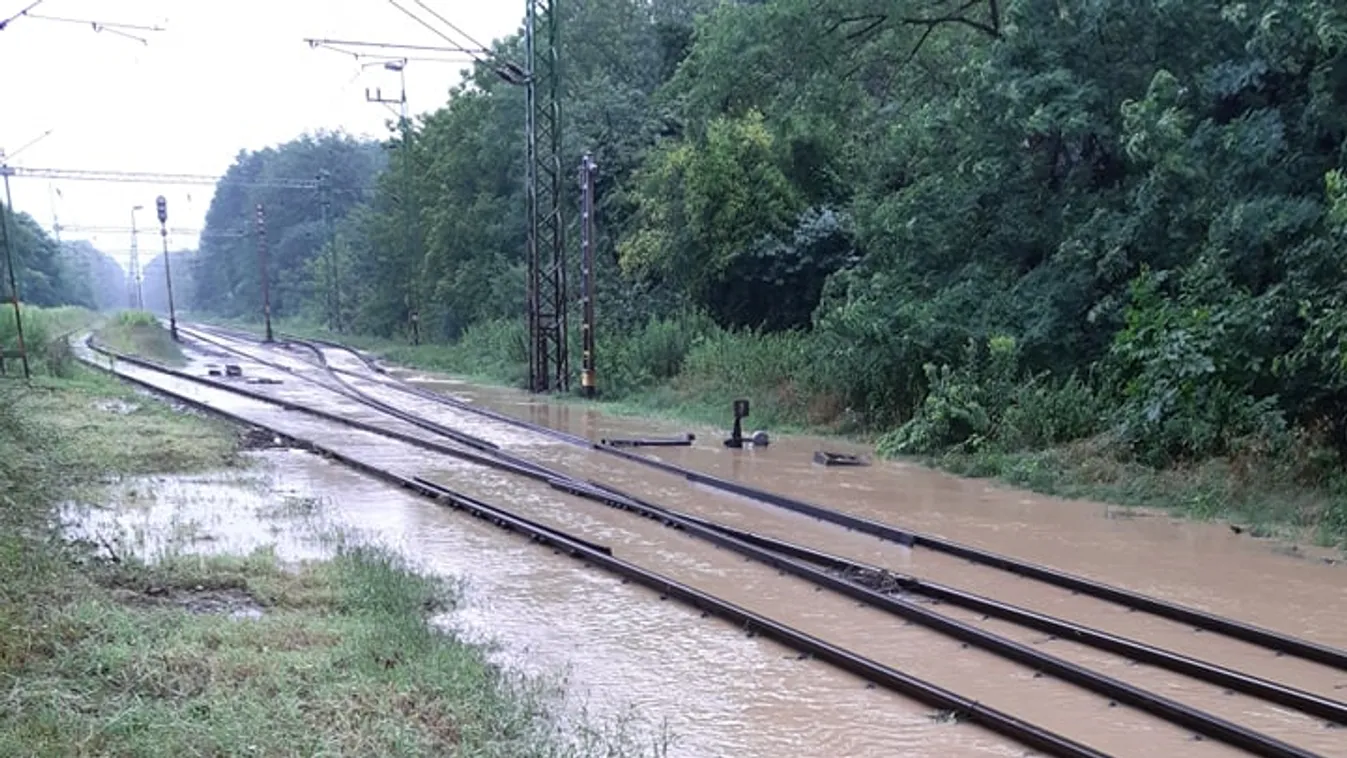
(1071, 536)
(720, 692)
(1184, 562)
(1206, 566)
(548, 613)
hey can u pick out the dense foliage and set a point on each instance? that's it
(982, 223)
(105, 277)
(298, 223)
(54, 273)
(50, 273)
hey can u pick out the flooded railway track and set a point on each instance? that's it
(1185, 617)
(840, 574)
(1225, 681)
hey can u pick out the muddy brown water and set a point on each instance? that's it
(1199, 564)
(1282, 724)
(551, 613)
(1202, 565)
(721, 692)
(1119, 731)
(667, 489)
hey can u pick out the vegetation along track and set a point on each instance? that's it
(825, 570)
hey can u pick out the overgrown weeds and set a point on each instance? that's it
(140, 333)
(985, 418)
(44, 333)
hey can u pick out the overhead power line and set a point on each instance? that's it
(450, 24)
(6, 22)
(77, 229)
(394, 55)
(97, 24)
(335, 43)
(508, 70)
(144, 177)
(438, 32)
(121, 29)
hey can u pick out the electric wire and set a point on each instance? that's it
(437, 32)
(6, 22)
(450, 24)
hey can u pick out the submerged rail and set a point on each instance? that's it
(1263, 637)
(784, 556)
(967, 709)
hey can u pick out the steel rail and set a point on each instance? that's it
(525, 468)
(685, 441)
(757, 546)
(1274, 692)
(1246, 632)
(995, 720)
(1167, 709)
(440, 429)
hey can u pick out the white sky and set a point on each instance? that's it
(224, 75)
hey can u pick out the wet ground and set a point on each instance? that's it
(1151, 555)
(548, 615)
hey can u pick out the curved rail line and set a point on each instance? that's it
(964, 708)
(785, 557)
(1263, 637)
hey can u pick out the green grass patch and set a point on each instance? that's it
(140, 333)
(44, 333)
(244, 656)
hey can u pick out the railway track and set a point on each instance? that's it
(1317, 662)
(1280, 643)
(1270, 640)
(1181, 664)
(874, 586)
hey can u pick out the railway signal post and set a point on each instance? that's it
(587, 376)
(161, 205)
(263, 267)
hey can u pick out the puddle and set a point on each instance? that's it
(226, 512)
(119, 407)
(235, 604)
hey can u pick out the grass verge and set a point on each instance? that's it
(221, 655)
(140, 333)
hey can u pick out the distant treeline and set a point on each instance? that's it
(982, 224)
(71, 273)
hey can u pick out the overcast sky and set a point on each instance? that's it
(224, 75)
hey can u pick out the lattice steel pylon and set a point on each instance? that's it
(549, 367)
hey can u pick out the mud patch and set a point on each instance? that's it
(232, 603)
(290, 507)
(256, 438)
(117, 406)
